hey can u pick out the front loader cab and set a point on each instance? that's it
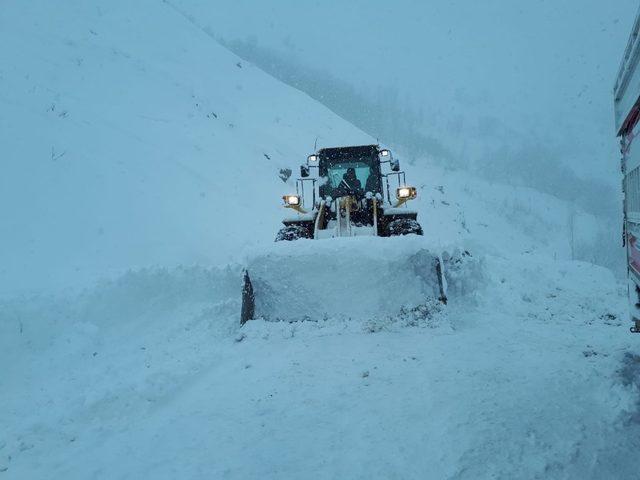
(349, 171)
(341, 192)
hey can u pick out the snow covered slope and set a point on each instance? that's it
(132, 140)
(128, 142)
(127, 147)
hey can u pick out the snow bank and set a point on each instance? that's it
(101, 358)
(29, 324)
(363, 278)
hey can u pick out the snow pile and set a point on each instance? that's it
(364, 278)
(83, 366)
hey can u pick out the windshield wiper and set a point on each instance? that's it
(345, 182)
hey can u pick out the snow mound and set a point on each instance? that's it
(112, 352)
(33, 323)
(366, 278)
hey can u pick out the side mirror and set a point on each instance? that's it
(304, 171)
(395, 165)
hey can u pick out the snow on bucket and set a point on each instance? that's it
(358, 278)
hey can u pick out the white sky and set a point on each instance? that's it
(542, 67)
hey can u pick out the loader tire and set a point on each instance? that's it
(404, 226)
(292, 232)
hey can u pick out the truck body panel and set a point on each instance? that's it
(626, 94)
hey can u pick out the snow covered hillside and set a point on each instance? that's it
(129, 142)
(126, 147)
(141, 165)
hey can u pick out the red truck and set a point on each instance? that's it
(627, 122)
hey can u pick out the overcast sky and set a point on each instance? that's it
(543, 68)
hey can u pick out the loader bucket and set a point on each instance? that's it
(357, 278)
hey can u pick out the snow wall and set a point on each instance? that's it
(363, 278)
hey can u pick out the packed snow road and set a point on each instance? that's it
(531, 375)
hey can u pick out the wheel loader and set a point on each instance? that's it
(356, 191)
(350, 196)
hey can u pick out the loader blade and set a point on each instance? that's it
(248, 300)
(349, 278)
(441, 280)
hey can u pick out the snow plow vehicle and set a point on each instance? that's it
(348, 196)
(342, 193)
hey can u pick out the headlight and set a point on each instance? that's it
(293, 200)
(385, 153)
(406, 193)
(312, 158)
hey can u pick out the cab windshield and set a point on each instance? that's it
(347, 177)
(349, 171)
